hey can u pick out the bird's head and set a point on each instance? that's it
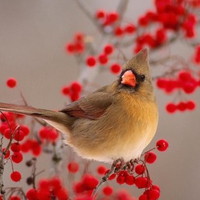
(135, 75)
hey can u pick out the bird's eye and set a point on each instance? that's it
(142, 78)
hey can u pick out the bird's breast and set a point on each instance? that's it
(125, 129)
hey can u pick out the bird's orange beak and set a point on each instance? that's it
(129, 78)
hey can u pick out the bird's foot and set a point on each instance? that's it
(115, 167)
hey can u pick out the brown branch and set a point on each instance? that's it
(121, 9)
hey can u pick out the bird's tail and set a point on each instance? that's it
(58, 120)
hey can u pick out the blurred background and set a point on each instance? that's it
(33, 35)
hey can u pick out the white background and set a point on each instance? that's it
(32, 39)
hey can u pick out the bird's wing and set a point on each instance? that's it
(92, 106)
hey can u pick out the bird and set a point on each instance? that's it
(116, 121)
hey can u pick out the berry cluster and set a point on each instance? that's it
(33, 146)
(19, 142)
(138, 175)
(106, 18)
(77, 46)
(170, 17)
(103, 59)
(181, 106)
(185, 82)
(85, 186)
(48, 134)
(48, 189)
(130, 174)
(108, 22)
(73, 91)
(15, 135)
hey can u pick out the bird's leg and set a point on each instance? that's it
(129, 166)
(116, 166)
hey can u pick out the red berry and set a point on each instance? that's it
(170, 86)
(76, 86)
(15, 147)
(101, 170)
(130, 28)
(190, 105)
(7, 133)
(26, 146)
(162, 145)
(140, 169)
(100, 14)
(150, 157)
(121, 177)
(79, 187)
(181, 106)
(161, 36)
(14, 198)
(70, 48)
(129, 179)
(156, 187)
(79, 47)
(19, 135)
(3, 127)
(43, 132)
(143, 21)
(31, 194)
(115, 68)
(25, 129)
(79, 37)
(143, 197)
(74, 96)
(112, 176)
(55, 183)
(189, 87)
(118, 31)
(91, 61)
(15, 176)
(66, 90)
(11, 82)
(89, 181)
(44, 194)
(62, 194)
(107, 190)
(108, 49)
(103, 59)
(43, 183)
(53, 135)
(123, 195)
(112, 17)
(153, 194)
(171, 108)
(36, 148)
(17, 157)
(141, 182)
(184, 76)
(73, 167)
(149, 40)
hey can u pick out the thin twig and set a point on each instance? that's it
(121, 9)
(114, 169)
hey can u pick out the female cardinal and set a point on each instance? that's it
(115, 121)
